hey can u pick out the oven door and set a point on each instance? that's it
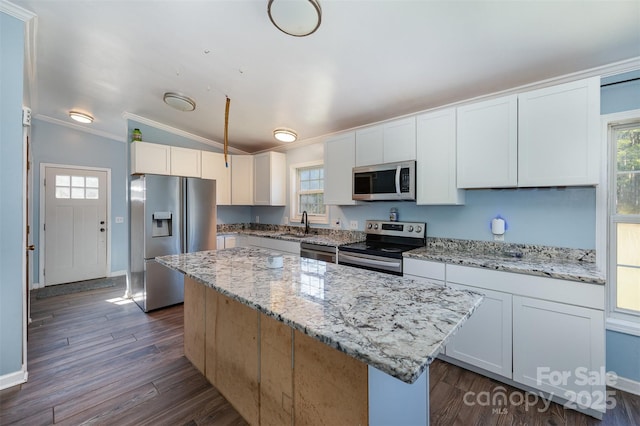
(368, 261)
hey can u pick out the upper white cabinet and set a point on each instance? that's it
(386, 143)
(558, 132)
(436, 158)
(242, 180)
(185, 162)
(213, 167)
(270, 174)
(150, 158)
(488, 144)
(339, 160)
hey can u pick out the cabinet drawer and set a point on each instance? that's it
(424, 268)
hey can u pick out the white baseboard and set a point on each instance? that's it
(13, 379)
(118, 273)
(624, 384)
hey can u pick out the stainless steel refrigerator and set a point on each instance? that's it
(168, 215)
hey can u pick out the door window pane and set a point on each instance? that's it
(91, 182)
(62, 180)
(77, 181)
(62, 192)
(77, 193)
(91, 193)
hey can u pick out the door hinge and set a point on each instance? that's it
(44, 227)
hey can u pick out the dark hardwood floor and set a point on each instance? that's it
(96, 359)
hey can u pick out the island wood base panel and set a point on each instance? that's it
(270, 373)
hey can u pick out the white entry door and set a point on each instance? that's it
(75, 225)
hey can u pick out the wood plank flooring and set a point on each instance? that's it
(96, 359)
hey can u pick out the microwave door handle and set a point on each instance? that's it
(398, 169)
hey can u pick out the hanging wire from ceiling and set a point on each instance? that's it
(226, 131)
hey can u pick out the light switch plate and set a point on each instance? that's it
(119, 219)
(353, 224)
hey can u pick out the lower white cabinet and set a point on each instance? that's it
(559, 348)
(225, 241)
(485, 339)
(273, 244)
(432, 272)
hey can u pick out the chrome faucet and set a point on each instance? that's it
(305, 220)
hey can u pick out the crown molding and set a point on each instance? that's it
(178, 132)
(16, 11)
(80, 128)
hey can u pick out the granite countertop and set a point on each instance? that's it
(293, 234)
(540, 264)
(395, 324)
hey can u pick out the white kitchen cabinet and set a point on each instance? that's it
(485, 339)
(389, 142)
(487, 144)
(559, 135)
(150, 158)
(430, 271)
(339, 160)
(436, 159)
(214, 167)
(274, 244)
(370, 145)
(270, 185)
(225, 241)
(186, 162)
(559, 348)
(242, 180)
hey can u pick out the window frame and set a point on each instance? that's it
(294, 214)
(617, 319)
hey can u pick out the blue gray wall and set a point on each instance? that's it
(52, 143)
(623, 350)
(11, 201)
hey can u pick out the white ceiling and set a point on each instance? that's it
(368, 61)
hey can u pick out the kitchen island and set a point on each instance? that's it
(314, 341)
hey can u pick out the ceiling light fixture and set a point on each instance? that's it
(81, 117)
(285, 135)
(297, 18)
(179, 101)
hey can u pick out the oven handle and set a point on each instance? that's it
(367, 260)
(398, 169)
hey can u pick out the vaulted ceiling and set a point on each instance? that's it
(369, 60)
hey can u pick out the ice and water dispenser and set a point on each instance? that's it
(161, 224)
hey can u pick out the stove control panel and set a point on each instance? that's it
(396, 229)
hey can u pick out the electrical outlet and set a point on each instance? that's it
(353, 224)
(119, 219)
(337, 224)
(26, 116)
(257, 219)
(285, 220)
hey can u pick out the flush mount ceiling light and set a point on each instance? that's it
(81, 117)
(297, 18)
(179, 101)
(285, 135)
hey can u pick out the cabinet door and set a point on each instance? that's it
(269, 179)
(242, 180)
(370, 146)
(150, 158)
(485, 339)
(399, 140)
(339, 160)
(557, 346)
(214, 168)
(185, 162)
(558, 135)
(219, 242)
(487, 145)
(436, 159)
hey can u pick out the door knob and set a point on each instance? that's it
(101, 229)
(31, 247)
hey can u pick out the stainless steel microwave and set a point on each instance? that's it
(385, 182)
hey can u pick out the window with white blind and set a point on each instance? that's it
(307, 192)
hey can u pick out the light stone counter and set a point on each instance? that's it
(395, 324)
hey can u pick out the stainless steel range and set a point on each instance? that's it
(385, 242)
